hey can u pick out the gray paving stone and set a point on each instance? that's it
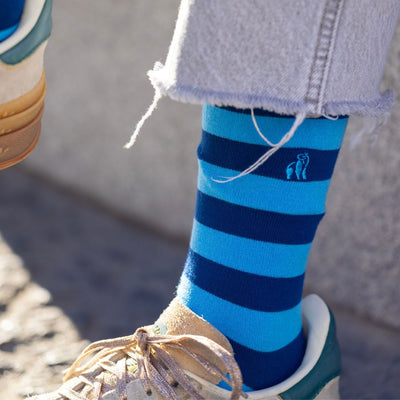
(71, 272)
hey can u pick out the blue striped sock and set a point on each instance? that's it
(251, 237)
(10, 14)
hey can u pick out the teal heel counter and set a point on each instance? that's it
(39, 34)
(327, 367)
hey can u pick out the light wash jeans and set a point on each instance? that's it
(315, 57)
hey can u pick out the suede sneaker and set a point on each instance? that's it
(183, 357)
(22, 83)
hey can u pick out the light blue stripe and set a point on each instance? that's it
(225, 386)
(5, 33)
(268, 331)
(264, 193)
(252, 256)
(322, 134)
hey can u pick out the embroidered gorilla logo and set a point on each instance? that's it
(298, 167)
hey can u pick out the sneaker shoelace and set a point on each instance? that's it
(154, 366)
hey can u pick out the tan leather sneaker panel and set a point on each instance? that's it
(180, 320)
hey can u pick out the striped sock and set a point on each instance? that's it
(251, 237)
(10, 14)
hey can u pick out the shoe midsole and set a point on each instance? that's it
(17, 145)
(20, 112)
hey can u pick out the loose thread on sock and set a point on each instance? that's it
(300, 117)
(253, 117)
(332, 118)
(146, 115)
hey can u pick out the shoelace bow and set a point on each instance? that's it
(156, 367)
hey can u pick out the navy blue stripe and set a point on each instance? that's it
(251, 223)
(265, 113)
(257, 292)
(238, 156)
(276, 366)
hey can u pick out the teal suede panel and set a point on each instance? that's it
(327, 368)
(40, 33)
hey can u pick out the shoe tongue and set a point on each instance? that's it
(177, 319)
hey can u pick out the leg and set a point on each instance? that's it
(251, 236)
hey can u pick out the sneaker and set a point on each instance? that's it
(22, 83)
(183, 357)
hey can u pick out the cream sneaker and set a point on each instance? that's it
(22, 83)
(183, 357)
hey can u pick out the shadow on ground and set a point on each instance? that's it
(107, 277)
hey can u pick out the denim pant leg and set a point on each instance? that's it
(305, 56)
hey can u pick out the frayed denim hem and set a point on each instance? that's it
(373, 107)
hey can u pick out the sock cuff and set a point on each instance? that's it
(237, 124)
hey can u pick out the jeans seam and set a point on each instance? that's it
(323, 55)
